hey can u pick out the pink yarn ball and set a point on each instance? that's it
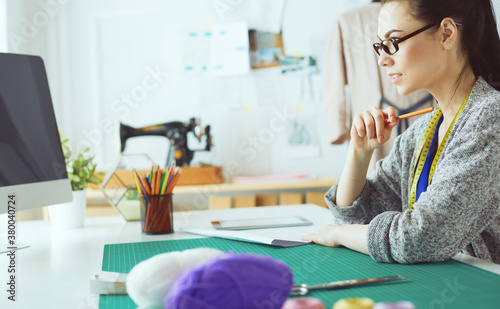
(236, 281)
(304, 303)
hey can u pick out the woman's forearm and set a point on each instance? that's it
(353, 177)
(353, 236)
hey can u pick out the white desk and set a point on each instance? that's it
(54, 272)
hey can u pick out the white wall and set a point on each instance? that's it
(96, 51)
(496, 7)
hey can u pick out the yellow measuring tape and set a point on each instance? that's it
(424, 147)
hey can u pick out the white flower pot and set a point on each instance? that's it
(69, 215)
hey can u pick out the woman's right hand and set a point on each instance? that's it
(368, 132)
(369, 129)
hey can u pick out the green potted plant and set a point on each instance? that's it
(80, 167)
(81, 171)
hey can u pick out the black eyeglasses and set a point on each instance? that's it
(391, 46)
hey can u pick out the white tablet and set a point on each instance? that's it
(260, 223)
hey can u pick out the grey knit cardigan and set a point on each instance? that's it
(460, 212)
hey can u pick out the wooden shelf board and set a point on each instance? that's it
(230, 187)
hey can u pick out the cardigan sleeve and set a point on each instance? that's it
(462, 200)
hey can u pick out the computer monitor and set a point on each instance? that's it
(31, 159)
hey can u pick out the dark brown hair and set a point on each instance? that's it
(480, 40)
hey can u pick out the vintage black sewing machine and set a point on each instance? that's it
(177, 133)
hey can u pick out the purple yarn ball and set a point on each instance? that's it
(235, 281)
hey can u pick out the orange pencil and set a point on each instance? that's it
(171, 175)
(167, 173)
(420, 112)
(174, 181)
(154, 180)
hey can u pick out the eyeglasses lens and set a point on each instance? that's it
(389, 47)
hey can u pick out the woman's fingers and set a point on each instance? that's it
(359, 126)
(324, 236)
(391, 115)
(379, 118)
(369, 122)
(372, 123)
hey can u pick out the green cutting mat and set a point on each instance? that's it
(449, 284)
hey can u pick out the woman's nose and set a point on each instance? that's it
(385, 59)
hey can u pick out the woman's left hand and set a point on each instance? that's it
(325, 236)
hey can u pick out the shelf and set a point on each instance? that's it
(197, 196)
(233, 187)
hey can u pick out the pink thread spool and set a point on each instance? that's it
(303, 303)
(396, 305)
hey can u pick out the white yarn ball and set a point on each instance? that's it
(149, 281)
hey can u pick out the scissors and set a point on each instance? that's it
(303, 289)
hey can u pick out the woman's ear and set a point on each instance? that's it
(449, 33)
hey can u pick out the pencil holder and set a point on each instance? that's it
(157, 214)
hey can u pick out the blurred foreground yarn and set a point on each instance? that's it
(149, 281)
(234, 281)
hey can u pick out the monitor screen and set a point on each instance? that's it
(31, 159)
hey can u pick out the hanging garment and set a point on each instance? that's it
(351, 61)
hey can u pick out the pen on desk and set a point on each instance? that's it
(416, 113)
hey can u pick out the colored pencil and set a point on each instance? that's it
(416, 113)
(156, 189)
(138, 186)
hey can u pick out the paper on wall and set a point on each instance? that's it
(229, 49)
(268, 87)
(301, 138)
(195, 49)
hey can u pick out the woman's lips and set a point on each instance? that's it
(395, 78)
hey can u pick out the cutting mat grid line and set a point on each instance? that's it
(449, 284)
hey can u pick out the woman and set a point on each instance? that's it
(438, 191)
